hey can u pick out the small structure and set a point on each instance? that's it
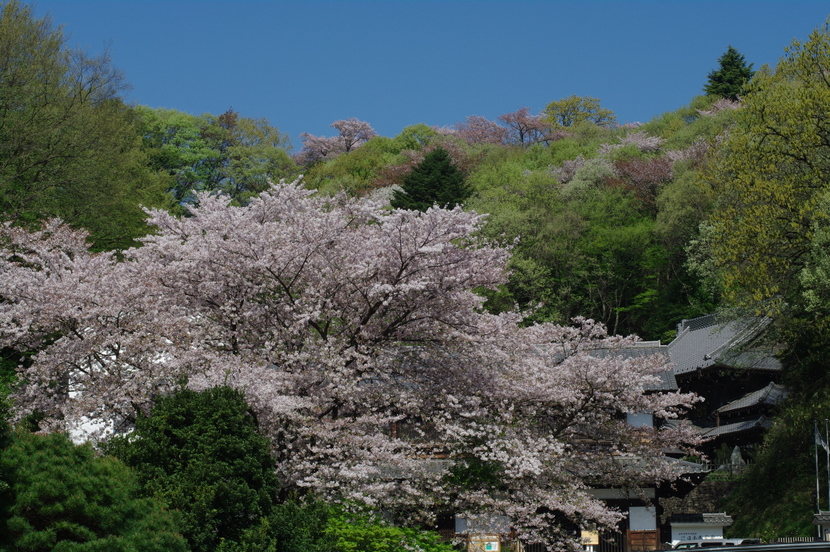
(689, 527)
(822, 521)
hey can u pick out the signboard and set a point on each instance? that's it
(687, 532)
(590, 538)
(484, 543)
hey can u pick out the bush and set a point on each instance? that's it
(201, 454)
(361, 533)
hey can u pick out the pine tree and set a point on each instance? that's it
(58, 496)
(729, 80)
(434, 181)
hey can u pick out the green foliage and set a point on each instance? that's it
(690, 124)
(234, 155)
(289, 527)
(413, 137)
(354, 172)
(770, 177)
(815, 276)
(176, 146)
(254, 157)
(360, 533)
(599, 239)
(623, 260)
(575, 110)
(589, 178)
(302, 527)
(434, 181)
(8, 370)
(682, 204)
(362, 169)
(69, 146)
(776, 496)
(63, 497)
(729, 80)
(585, 247)
(566, 150)
(200, 453)
(475, 473)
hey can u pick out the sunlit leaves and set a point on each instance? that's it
(771, 173)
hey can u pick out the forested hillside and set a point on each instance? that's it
(189, 291)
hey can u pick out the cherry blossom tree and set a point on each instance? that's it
(316, 148)
(478, 130)
(353, 133)
(356, 336)
(643, 177)
(525, 129)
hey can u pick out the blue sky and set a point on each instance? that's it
(304, 64)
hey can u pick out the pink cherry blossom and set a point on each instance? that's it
(358, 338)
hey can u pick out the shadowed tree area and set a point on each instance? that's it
(201, 454)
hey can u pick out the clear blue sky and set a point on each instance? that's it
(304, 64)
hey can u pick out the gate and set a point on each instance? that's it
(611, 541)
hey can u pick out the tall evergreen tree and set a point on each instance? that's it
(201, 454)
(434, 181)
(730, 78)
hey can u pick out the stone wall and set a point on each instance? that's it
(708, 497)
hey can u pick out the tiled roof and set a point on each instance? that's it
(737, 427)
(667, 381)
(772, 394)
(705, 341)
(720, 518)
(821, 517)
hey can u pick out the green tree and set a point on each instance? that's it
(814, 279)
(256, 156)
(235, 155)
(69, 146)
(63, 497)
(729, 80)
(176, 146)
(289, 527)
(434, 181)
(574, 110)
(766, 245)
(302, 527)
(376, 164)
(201, 454)
(769, 178)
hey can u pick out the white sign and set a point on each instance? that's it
(642, 518)
(681, 532)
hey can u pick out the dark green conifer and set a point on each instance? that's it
(201, 454)
(58, 496)
(434, 181)
(732, 75)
